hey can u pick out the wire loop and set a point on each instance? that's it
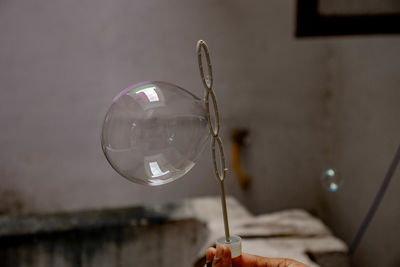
(220, 174)
(213, 128)
(207, 79)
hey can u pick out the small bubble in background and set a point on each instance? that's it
(331, 180)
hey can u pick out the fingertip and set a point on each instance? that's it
(227, 252)
(210, 254)
(237, 261)
(223, 251)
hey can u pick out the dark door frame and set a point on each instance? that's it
(311, 23)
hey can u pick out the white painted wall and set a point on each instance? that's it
(61, 62)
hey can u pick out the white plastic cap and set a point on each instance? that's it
(235, 244)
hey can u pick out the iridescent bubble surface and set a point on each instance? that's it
(153, 132)
(331, 180)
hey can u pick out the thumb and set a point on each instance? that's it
(222, 257)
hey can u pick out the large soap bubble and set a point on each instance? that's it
(153, 132)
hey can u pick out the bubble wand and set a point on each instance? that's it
(233, 242)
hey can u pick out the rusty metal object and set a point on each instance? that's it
(238, 139)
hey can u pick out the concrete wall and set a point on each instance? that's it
(63, 61)
(364, 129)
(309, 104)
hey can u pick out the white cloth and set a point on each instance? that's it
(288, 233)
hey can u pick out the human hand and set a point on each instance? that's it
(221, 257)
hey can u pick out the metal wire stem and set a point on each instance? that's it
(375, 204)
(214, 129)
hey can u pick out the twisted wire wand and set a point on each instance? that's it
(214, 129)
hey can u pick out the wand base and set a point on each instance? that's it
(235, 244)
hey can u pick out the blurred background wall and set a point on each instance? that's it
(309, 104)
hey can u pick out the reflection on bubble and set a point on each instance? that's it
(331, 180)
